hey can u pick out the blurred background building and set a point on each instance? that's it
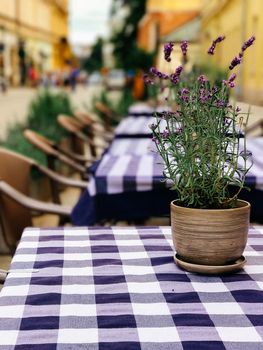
(170, 20)
(33, 33)
(237, 20)
(34, 38)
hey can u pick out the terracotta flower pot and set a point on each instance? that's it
(210, 236)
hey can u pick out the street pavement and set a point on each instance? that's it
(15, 103)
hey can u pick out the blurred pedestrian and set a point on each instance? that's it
(32, 75)
(73, 78)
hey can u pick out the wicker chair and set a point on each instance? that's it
(78, 136)
(16, 205)
(53, 152)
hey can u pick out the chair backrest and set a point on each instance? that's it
(84, 118)
(69, 123)
(52, 152)
(15, 170)
(73, 126)
(106, 113)
(40, 141)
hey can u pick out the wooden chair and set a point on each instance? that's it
(78, 136)
(53, 152)
(95, 126)
(16, 205)
(107, 115)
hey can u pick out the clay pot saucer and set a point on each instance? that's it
(210, 269)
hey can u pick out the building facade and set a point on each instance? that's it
(237, 20)
(162, 17)
(170, 20)
(32, 32)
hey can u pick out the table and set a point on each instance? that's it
(119, 289)
(140, 117)
(137, 127)
(143, 109)
(128, 184)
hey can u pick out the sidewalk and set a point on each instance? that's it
(13, 107)
(14, 104)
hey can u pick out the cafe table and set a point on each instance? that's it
(143, 109)
(118, 288)
(128, 184)
(137, 123)
(137, 127)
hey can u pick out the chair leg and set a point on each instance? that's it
(53, 185)
(63, 220)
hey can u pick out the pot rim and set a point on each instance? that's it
(247, 205)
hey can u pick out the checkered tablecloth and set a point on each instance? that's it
(143, 109)
(130, 176)
(137, 127)
(134, 165)
(119, 289)
(133, 146)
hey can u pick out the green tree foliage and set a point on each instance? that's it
(126, 52)
(95, 60)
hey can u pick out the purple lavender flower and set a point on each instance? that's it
(165, 76)
(176, 75)
(248, 43)
(211, 49)
(168, 48)
(178, 70)
(180, 130)
(165, 134)
(202, 79)
(219, 39)
(238, 109)
(232, 77)
(184, 94)
(235, 61)
(184, 46)
(152, 126)
(230, 82)
(174, 79)
(184, 91)
(220, 103)
(203, 99)
(203, 96)
(155, 140)
(153, 70)
(214, 43)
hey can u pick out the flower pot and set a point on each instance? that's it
(213, 237)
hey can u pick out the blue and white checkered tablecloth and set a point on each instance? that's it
(134, 164)
(119, 289)
(132, 126)
(132, 146)
(130, 170)
(143, 109)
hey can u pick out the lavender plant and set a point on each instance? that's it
(201, 144)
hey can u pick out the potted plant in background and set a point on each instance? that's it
(204, 153)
